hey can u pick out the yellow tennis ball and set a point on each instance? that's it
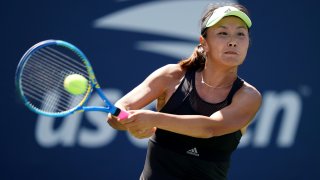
(75, 84)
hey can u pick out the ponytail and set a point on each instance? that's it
(196, 61)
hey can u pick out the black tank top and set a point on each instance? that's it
(189, 157)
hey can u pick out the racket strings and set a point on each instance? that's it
(43, 76)
(53, 105)
(37, 95)
(44, 83)
(59, 59)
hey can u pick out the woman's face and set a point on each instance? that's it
(227, 41)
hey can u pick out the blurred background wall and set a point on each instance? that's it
(140, 36)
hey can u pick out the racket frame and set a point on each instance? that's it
(93, 84)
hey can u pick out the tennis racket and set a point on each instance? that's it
(40, 80)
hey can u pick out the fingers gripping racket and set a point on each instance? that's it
(40, 77)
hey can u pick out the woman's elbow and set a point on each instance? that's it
(206, 133)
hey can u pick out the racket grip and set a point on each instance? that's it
(123, 114)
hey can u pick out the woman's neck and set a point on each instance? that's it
(218, 77)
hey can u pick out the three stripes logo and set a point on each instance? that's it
(228, 10)
(193, 152)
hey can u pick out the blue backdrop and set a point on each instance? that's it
(128, 39)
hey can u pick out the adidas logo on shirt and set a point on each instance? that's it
(193, 152)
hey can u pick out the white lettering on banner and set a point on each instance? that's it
(71, 131)
(291, 104)
(48, 136)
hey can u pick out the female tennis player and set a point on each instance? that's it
(203, 105)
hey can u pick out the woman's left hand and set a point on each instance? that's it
(140, 123)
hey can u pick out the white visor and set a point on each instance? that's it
(224, 11)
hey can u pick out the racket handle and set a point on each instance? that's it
(123, 114)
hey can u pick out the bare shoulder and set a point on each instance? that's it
(250, 94)
(168, 74)
(248, 100)
(165, 77)
(172, 71)
(248, 88)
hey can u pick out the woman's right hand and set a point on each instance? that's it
(141, 134)
(114, 123)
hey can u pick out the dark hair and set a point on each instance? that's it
(198, 58)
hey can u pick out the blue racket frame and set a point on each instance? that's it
(109, 107)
